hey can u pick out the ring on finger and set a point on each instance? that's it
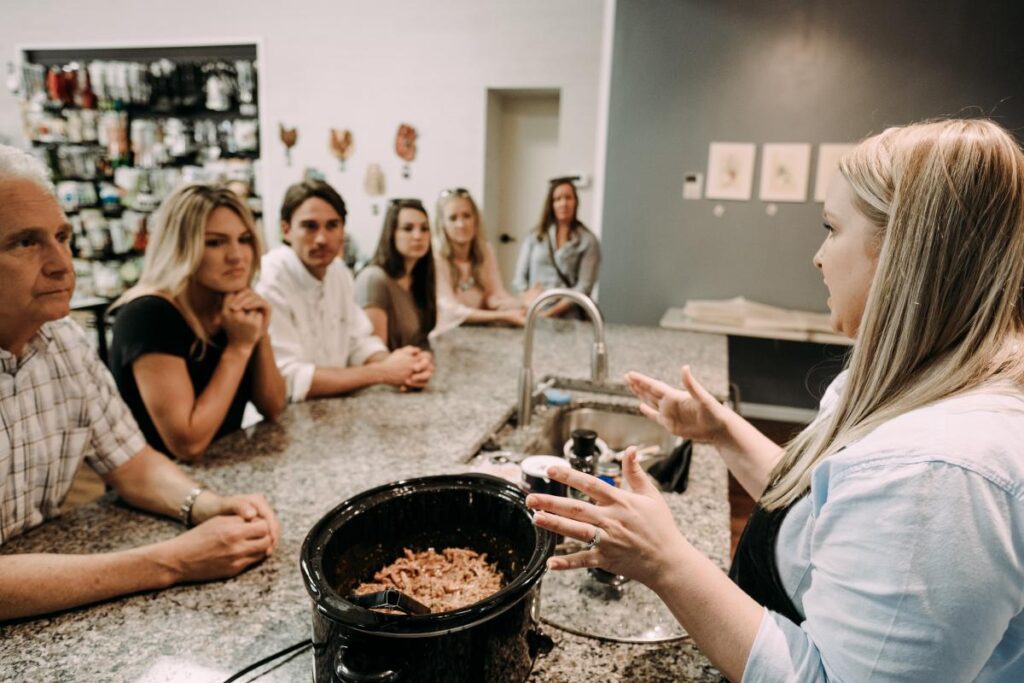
(594, 540)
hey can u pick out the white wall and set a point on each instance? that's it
(366, 65)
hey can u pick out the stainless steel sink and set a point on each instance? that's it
(606, 408)
(619, 426)
(632, 613)
(571, 599)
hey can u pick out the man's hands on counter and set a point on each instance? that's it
(232, 533)
(247, 506)
(409, 367)
(218, 548)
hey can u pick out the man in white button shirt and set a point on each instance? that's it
(323, 342)
(58, 406)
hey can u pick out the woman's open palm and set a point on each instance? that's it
(691, 412)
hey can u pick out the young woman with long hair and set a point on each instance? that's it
(888, 539)
(190, 345)
(398, 289)
(469, 287)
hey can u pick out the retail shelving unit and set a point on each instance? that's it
(120, 127)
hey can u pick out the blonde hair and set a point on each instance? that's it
(943, 314)
(176, 246)
(477, 248)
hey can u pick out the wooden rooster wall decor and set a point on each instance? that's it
(405, 147)
(342, 145)
(289, 136)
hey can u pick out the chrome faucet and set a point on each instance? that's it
(598, 353)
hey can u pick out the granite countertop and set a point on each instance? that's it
(321, 452)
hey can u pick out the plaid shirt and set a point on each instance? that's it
(58, 404)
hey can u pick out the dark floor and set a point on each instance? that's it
(740, 504)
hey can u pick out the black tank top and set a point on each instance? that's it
(753, 567)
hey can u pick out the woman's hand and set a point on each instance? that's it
(527, 296)
(637, 535)
(249, 300)
(514, 316)
(246, 317)
(692, 414)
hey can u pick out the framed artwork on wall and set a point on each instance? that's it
(784, 172)
(829, 155)
(730, 170)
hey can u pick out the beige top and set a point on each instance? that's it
(405, 327)
(458, 299)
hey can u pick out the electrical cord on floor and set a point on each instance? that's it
(297, 647)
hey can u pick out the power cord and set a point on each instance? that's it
(299, 646)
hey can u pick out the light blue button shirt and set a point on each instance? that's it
(907, 556)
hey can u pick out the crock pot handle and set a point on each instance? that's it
(539, 643)
(347, 675)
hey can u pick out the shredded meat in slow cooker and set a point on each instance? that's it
(445, 581)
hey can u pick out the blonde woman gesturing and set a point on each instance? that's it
(190, 345)
(888, 539)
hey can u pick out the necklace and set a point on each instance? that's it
(464, 269)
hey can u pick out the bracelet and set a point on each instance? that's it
(185, 511)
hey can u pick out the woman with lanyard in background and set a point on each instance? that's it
(561, 251)
(888, 539)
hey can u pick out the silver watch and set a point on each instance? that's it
(185, 511)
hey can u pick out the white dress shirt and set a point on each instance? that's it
(315, 323)
(907, 556)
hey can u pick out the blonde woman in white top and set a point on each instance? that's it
(469, 287)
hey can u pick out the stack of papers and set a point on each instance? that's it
(739, 312)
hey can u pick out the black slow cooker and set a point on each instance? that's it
(496, 639)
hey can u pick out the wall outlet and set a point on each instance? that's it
(693, 184)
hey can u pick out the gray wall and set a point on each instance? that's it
(687, 72)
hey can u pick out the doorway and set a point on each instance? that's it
(521, 154)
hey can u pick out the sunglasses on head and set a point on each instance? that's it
(406, 203)
(454, 192)
(571, 179)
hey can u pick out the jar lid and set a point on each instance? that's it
(584, 442)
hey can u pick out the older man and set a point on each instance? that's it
(58, 406)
